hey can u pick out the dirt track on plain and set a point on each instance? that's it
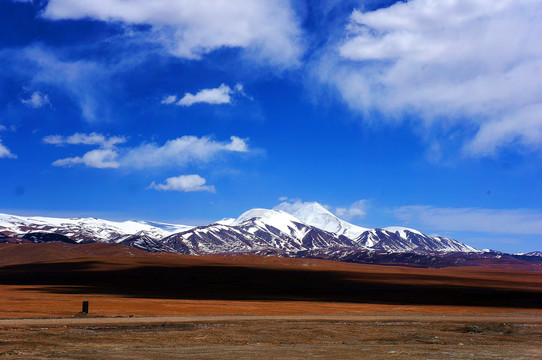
(523, 318)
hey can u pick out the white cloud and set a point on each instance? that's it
(290, 205)
(168, 99)
(267, 29)
(174, 153)
(476, 63)
(98, 158)
(102, 158)
(496, 221)
(184, 183)
(87, 83)
(357, 209)
(5, 152)
(181, 151)
(36, 100)
(85, 139)
(220, 95)
(523, 126)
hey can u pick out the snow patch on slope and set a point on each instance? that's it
(169, 228)
(225, 221)
(280, 220)
(401, 231)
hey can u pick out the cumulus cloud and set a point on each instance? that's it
(177, 152)
(184, 183)
(5, 152)
(190, 29)
(357, 209)
(85, 139)
(36, 100)
(495, 221)
(471, 63)
(220, 95)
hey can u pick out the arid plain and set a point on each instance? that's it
(146, 305)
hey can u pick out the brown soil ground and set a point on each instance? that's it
(345, 337)
(322, 309)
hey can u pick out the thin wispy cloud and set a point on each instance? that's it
(85, 139)
(493, 221)
(356, 210)
(289, 205)
(464, 62)
(85, 82)
(169, 99)
(5, 152)
(184, 183)
(36, 100)
(99, 158)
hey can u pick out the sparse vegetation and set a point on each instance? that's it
(499, 328)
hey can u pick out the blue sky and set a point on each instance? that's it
(417, 113)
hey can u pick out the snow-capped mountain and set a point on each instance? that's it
(401, 239)
(86, 229)
(390, 239)
(286, 232)
(212, 239)
(256, 230)
(531, 253)
(318, 216)
(308, 229)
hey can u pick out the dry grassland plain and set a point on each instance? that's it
(246, 307)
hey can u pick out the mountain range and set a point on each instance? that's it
(308, 231)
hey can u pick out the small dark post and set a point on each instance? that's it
(85, 307)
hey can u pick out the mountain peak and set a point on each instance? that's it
(303, 208)
(315, 207)
(273, 217)
(315, 214)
